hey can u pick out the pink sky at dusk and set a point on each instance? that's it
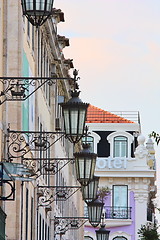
(115, 44)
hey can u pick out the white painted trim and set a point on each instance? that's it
(120, 233)
(96, 139)
(111, 137)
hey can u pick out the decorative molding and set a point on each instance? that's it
(111, 137)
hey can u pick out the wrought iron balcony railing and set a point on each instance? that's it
(117, 212)
(114, 212)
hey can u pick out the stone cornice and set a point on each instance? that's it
(123, 173)
(63, 40)
(57, 13)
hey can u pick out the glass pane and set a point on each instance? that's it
(74, 120)
(66, 120)
(90, 141)
(81, 120)
(120, 147)
(120, 194)
(88, 168)
(29, 5)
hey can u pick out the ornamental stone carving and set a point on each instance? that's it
(141, 151)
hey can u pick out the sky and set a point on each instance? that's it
(115, 45)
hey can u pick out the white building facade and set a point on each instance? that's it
(127, 167)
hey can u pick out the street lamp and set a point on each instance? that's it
(89, 192)
(95, 212)
(74, 113)
(85, 162)
(102, 233)
(37, 11)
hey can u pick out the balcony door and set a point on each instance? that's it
(120, 201)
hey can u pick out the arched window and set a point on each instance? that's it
(120, 146)
(88, 238)
(119, 238)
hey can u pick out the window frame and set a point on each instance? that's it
(114, 194)
(111, 137)
(126, 145)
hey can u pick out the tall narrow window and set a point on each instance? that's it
(26, 214)
(120, 196)
(32, 218)
(40, 227)
(120, 201)
(28, 29)
(120, 147)
(43, 229)
(48, 233)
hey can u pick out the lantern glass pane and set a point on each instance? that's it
(74, 121)
(102, 236)
(94, 214)
(66, 121)
(93, 167)
(37, 5)
(82, 115)
(29, 5)
(87, 167)
(89, 192)
(83, 167)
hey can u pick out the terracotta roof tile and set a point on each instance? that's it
(97, 115)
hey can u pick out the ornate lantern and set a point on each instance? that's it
(74, 113)
(89, 192)
(85, 162)
(102, 233)
(37, 11)
(95, 212)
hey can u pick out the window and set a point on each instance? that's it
(120, 196)
(120, 146)
(120, 202)
(119, 238)
(26, 234)
(89, 140)
(31, 220)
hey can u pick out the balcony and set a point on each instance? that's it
(117, 212)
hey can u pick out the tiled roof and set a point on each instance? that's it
(97, 115)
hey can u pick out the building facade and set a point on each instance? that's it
(31, 130)
(127, 167)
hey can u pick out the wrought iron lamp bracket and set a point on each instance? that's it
(63, 224)
(48, 194)
(21, 88)
(21, 142)
(46, 166)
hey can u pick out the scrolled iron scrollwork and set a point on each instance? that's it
(22, 142)
(21, 88)
(63, 224)
(48, 194)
